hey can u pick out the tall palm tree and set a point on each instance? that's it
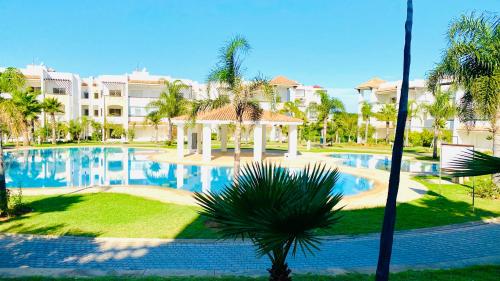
(387, 233)
(414, 109)
(28, 104)
(442, 109)
(279, 211)
(9, 116)
(388, 114)
(366, 113)
(233, 90)
(52, 106)
(472, 61)
(171, 103)
(329, 105)
(154, 118)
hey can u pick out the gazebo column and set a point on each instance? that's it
(198, 138)
(190, 139)
(292, 141)
(257, 143)
(207, 143)
(180, 141)
(273, 133)
(223, 138)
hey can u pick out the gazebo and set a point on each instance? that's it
(199, 131)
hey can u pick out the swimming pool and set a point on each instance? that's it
(104, 166)
(383, 162)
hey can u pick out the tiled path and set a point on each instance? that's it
(457, 245)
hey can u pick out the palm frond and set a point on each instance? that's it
(474, 163)
(275, 207)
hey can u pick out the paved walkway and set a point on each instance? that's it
(458, 245)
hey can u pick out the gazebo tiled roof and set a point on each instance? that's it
(227, 114)
(283, 81)
(370, 84)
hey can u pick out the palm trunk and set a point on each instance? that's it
(26, 138)
(366, 131)
(387, 233)
(156, 134)
(279, 272)
(237, 149)
(386, 132)
(3, 186)
(325, 124)
(169, 135)
(496, 146)
(434, 143)
(54, 125)
(407, 141)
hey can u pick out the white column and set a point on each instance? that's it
(198, 138)
(257, 143)
(180, 141)
(190, 139)
(264, 138)
(292, 141)
(207, 143)
(223, 138)
(272, 136)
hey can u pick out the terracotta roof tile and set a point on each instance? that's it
(283, 81)
(227, 113)
(370, 84)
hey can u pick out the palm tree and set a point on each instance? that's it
(441, 109)
(228, 77)
(387, 233)
(472, 62)
(329, 105)
(474, 163)
(292, 108)
(52, 106)
(154, 118)
(28, 104)
(414, 109)
(366, 113)
(171, 103)
(388, 114)
(9, 116)
(279, 211)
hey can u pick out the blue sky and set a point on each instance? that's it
(335, 44)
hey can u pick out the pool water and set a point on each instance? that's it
(383, 162)
(104, 166)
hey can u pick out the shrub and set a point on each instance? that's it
(16, 207)
(423, 138)
(486, 188)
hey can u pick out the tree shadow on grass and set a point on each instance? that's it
(431, 210)
(60, 229)
(55, 203)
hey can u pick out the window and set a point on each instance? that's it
(85, 95)
(59, 91)
(115, 93)
(115, 112)
(96, 112)
(96, 95)
(85, 112)
(35, 89)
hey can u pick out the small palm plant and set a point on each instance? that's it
(278, 210)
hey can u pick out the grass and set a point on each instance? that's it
(119, 215)
(108, 215)
(475, 273)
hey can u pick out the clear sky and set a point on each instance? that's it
(335, 44)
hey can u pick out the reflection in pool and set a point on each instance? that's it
(383, 162)
(98, 166)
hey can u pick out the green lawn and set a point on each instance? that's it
(119, 215)
(476, 273)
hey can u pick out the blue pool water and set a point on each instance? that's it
(97, 166)
(383, 162)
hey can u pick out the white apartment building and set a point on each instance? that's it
(379, 92)
(123, 99)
